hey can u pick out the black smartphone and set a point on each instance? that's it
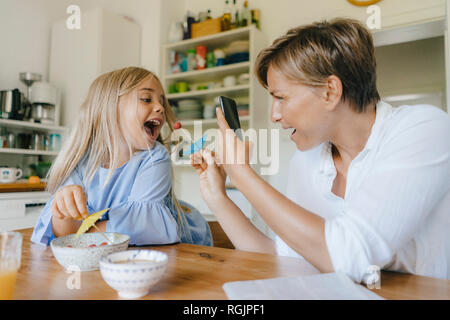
(229, 109)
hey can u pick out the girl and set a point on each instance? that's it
(115, 159)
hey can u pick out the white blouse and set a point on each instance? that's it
(396, 209)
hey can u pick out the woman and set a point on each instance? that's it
(369, 184)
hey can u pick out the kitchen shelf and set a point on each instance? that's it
(414, 32)
(211, 93)
(31, 125)
(28, 152)
(251, 93)
(210, 73)
(208, 121)
(215, 40)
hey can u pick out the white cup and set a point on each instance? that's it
(10, 174)
(229, 81)
(209, 111)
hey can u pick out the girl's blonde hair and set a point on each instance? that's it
(95, 134)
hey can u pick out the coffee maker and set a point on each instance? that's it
(45, 101)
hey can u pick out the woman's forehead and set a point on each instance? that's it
(277, 81)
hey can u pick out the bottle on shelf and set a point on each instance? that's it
(234, 16)
(201, 57)
(191, 60)
(255, 17)
(245, 15)
(208, 16)
(226, 17)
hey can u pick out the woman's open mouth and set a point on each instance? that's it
(152, 128)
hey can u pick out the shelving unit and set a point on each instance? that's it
(185, 178)
(31, 125)
(251, 93)
(189, 123)
(210, 73)
(23, 157)
(229, 91)
(28, 152)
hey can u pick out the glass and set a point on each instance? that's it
(10, 258)
(55, 142)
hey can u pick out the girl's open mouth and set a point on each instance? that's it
(152, 128)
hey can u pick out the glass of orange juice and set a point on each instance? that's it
(10, 256)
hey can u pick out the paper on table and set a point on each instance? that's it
(326, 286)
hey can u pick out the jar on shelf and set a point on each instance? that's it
(201, 57)
(210, 60)
(191, 60)
(55, 142)
(219, 56)
(3, 138)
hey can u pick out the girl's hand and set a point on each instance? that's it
(212, 177)
(231, 152)
(70, 203)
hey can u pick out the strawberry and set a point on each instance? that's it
(177, 125)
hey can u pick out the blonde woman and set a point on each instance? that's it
(369, 185)
(115, 159)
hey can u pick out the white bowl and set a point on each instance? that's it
(81, 255)
(132, 273)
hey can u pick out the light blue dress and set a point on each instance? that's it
(138, 195)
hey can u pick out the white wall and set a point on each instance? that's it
(25, 32)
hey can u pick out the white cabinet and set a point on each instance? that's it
(413, 62)
(186, 180)
(105, 41)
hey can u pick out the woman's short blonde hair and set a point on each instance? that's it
(310, 54)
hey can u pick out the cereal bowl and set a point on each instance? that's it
(85, 251)
(132, 273)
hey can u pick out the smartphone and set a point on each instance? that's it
(229, 109)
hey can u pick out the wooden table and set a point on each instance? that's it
(195, 272)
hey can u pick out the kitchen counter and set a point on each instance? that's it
(22, 186)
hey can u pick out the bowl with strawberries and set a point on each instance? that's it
(84, 252)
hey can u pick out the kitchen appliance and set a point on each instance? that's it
(45, 103)
(23, 141)
(29, 78)
(10, 104)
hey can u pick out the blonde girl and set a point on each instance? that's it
(115, 158)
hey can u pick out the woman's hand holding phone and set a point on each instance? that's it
(231, 152)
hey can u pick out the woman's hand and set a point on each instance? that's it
(70, 203)
(231, 152)
(212, 177)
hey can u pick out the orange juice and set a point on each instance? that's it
(7, 280)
